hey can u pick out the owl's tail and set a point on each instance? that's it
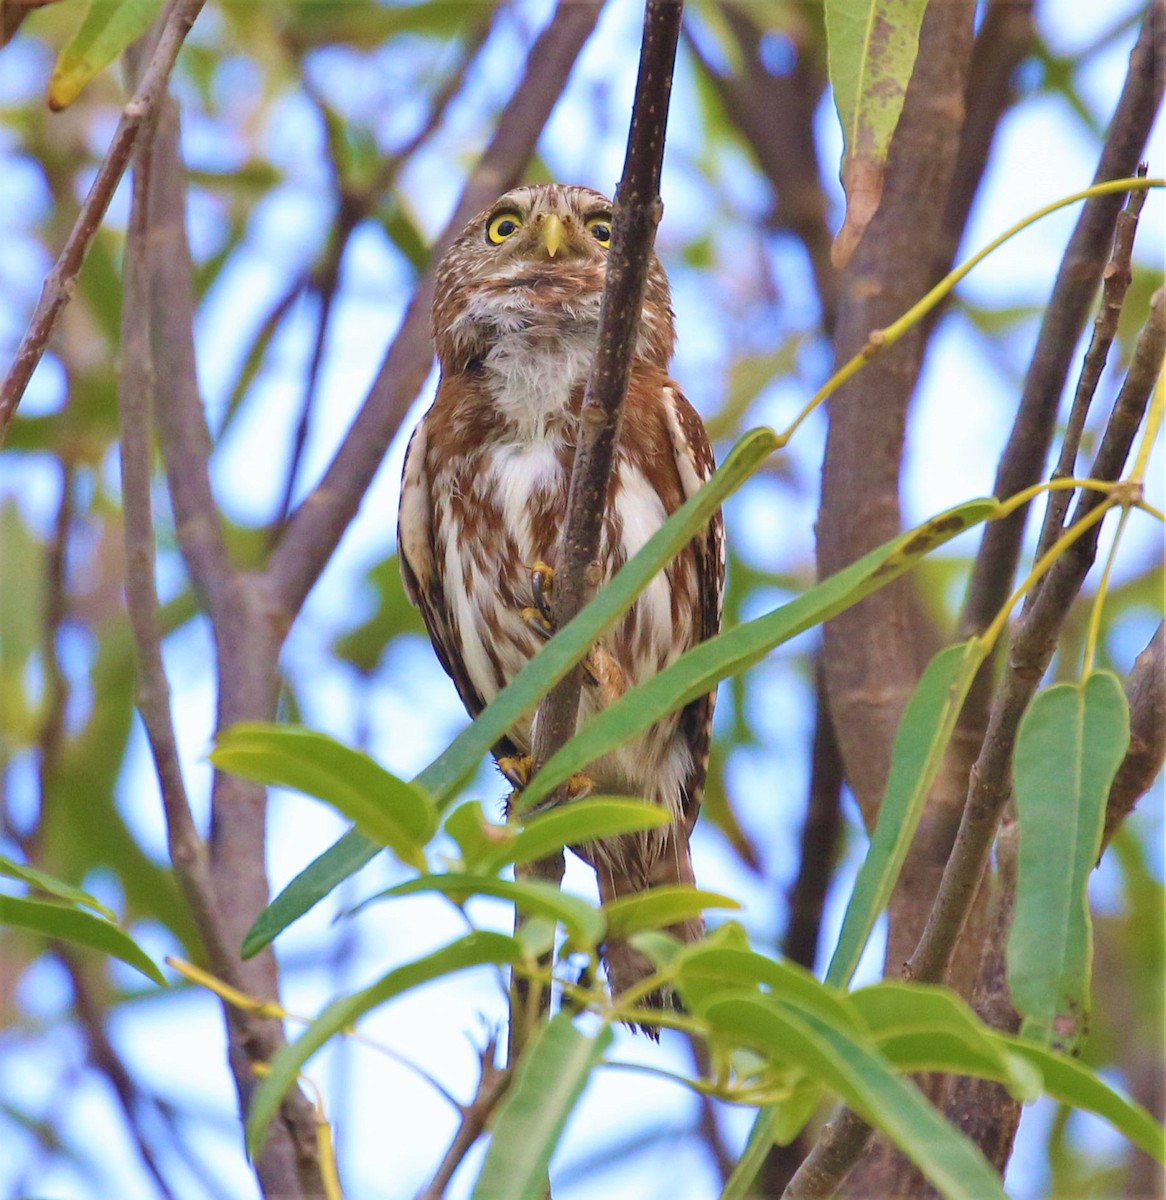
(631, 869)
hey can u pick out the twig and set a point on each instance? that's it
(1116, 282)
(318, 524)
(61, 282)
(1076, 284)
(492, 1084)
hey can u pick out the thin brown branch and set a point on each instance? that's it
(1076, 284)
(1116, 281)
(105, 1058)
(1029, 655)
(492, 1084)
(1146, 693)
(247, 641)
(61, 282)
(318, 524)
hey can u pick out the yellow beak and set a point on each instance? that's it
(554, 235)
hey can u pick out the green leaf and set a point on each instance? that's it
(867, 1083)
(1068, 1081)
(1068, 748)
(703, 667)
(449, 771)
(703, 971)
(574, 823)
(107, 29)
(871, 51)
(583, 922)
(920, 1027)
(925, 729)
(54, 887)
(386, 809)
(550, 1078)
(474, 950)
(660, 906)
(78, 928)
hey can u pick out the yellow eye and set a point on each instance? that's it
(504, 225)
(600, 228)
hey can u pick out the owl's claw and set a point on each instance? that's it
(517, 769)
(536, 620)
(542, 580)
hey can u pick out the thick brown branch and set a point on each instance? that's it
(318, 524)
(61, 282)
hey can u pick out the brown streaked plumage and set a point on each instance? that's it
(484, 497)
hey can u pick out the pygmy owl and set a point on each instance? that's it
(484, 499)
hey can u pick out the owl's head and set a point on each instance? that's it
(533, 264)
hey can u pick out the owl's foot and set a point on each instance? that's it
(542, 580)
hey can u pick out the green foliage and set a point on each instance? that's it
(924, 732)
(1071, 741)
(108, 28)
(67, 923)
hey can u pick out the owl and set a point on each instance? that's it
(484, 500)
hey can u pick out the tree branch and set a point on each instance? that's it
(61, 282)
(1076, 284)
(318, 524)
(1028, 658)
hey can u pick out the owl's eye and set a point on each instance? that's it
(504, 225)
(600, 229)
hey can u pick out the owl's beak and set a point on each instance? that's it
(554, 235)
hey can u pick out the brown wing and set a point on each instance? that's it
(695, 465)
(420, 575)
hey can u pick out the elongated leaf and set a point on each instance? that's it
(1066, 1080)
(925, 729)
(703, 667)
(78, 928)
(474, 950)
(449, 771)
(868, 1084)
(573, 823)
(54, 887)
(703, 971)
(1068, 748)
(925, 1028)
(584, 923)
(386, 809)
(660, 906)
(340, 861)
(551, 1077)
(871, 50)
(108, 28)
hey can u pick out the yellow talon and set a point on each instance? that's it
(535, 619)
(517, 769)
